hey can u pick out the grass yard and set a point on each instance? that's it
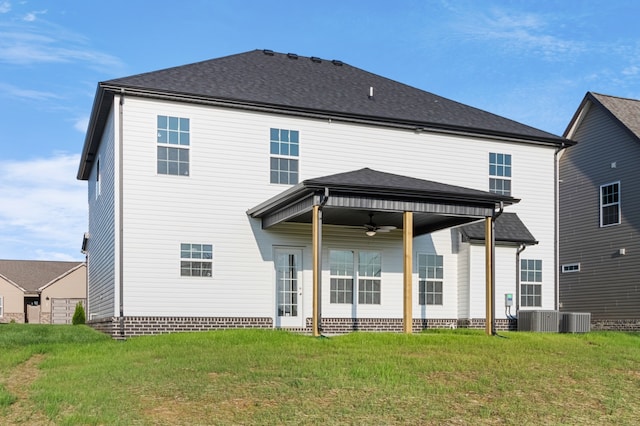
(73, 375)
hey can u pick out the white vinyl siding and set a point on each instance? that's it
(223, 183)
(101, 245)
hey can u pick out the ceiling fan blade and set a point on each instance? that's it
(386, 228)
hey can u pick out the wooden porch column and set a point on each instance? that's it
(489, 265)
(407, 240)
(316, 242)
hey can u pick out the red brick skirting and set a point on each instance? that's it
(139, 326)
(615, 325)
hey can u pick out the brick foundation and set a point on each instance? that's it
(140, 326)
(615, 325)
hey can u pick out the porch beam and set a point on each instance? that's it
(316, 250)
(489, 267)
(407, 243)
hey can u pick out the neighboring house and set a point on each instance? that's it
(261, 190)
(43, 292)
(600, 213)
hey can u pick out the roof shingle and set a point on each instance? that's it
(314, 84)
(31, 275)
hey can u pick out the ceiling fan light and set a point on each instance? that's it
(370, 233)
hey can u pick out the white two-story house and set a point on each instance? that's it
(281, 191)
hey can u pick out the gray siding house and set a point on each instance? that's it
(599, 212)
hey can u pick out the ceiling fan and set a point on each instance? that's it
(371, 228)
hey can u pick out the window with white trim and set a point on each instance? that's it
(1, 307)
(196, 260)
(348, 267)
(430, 279)
(610, 204)
(500, 173)
(369, 277)
(284, 147)
(530, 282)
(173, 145)
(342, 276)
(570, 267)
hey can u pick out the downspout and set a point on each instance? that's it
(556, 225)
(520, 250)
(323, 201)
(120, 213)
(496, 215)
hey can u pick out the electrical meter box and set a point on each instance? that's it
(508, 299)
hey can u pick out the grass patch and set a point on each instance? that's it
(274, 377)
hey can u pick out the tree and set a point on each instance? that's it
(79, 315)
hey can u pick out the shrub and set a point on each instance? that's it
(78, 316)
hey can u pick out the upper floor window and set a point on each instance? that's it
(430, 276)
(530, 282)
(173, 145)
(284, 149)
(196, 260)
(500, 173)
(610, 204)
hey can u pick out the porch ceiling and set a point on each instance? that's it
(348, 199)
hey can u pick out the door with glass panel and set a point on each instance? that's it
(288, 264)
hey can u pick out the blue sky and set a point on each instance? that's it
(531, 61)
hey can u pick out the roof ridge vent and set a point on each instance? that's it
(315, 59)
(337, 63)
(268, 52)
(292, 56)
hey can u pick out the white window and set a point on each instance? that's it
(1, 307)
(196, 260)
(610, 204)
(570, 267)
(342, 276)
(345, 270)
(369, 277)
(530, 282)
(431, 277)
(173, 145)
(284, 147)
(500, 173)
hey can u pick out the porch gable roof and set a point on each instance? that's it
(348, 199)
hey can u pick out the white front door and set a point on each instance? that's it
(288, 264)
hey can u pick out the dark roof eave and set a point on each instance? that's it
(99, 112)
(440, 195)
(336, 115)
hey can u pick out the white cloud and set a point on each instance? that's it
(34, 41)
(5, 7)
(81, 124)
(11, 91)
(519, 32)
(43, 213)
(32, 16)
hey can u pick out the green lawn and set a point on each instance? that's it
(73, 375)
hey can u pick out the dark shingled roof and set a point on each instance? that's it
(291, 84)
(374, 181)
(313, 84)
(508, 228)
(626, 111)
(31, 275)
